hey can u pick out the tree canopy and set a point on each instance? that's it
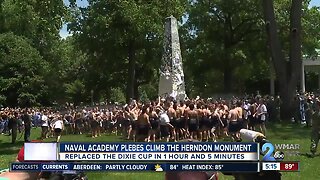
(21, 72)
(116, 47)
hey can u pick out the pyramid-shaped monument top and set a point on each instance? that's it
(171, 72)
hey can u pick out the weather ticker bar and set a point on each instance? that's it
(58, 166)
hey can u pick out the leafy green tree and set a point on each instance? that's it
(75, 92)
(300, 38)
(123, 41)
(22, 71)
(220, 37)
(117, 95)
(311, 30)
(19, 17)
(40, 22)
(310, 26)
(67, 75)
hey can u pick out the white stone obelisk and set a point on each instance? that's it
(171, 82)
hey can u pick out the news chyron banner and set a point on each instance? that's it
(158, 151)
(142, 152)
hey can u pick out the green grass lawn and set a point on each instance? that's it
(279, 133)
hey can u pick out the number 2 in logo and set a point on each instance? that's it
(267, 150)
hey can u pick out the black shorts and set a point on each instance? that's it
(245, 123)
(240, 121)
(133, 124)
(173, 122)
(57, 130)
(214, 122)
(94, 124)
(180, 123)
(79, 123)
(193, 127)
(259, 121)
(154, 124)
(164, 129)
(205, 123)
(225, 123)
(107, 124)
(125, 122)
(252, 121)
(143, 130)
(234, 126)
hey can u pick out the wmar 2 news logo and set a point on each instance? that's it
(277, 152)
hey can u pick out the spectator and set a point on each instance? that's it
(58, 127)
(44, 125)
(261, 116)
(27, 125)
(302, 109)
(13, 125)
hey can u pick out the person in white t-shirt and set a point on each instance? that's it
(246, 107)
(164, 124)
(261, 116)
(44, 125)
(57, 128)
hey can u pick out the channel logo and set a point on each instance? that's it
(270, 155)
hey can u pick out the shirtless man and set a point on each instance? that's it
(240, 113)
(234, 125)
(199, 111)
(126, 122)
(205, 126)
(225, 106)
(94, 124)
(252, 116)
(143, 125)
(155, 124)
(193, 121)
(135, 112)
(172, 116)
(223, 114)
(186, 123)
(180, 121)
(215, 123)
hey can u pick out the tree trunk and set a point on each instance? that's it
(227, 68)
(136, 89)
(288, 73)
(295, 63)
(278, 57)
(131, 71)
(2, 30)
(227, 79)
(295, 43)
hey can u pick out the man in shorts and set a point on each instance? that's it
(58, 127)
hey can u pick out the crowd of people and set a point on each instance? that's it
(163, 119)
